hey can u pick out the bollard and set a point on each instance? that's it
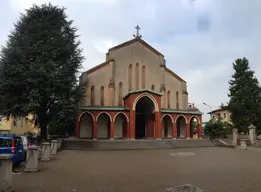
(46, 152)
(5, 173)
(235, 132)
(252, 134)
(54, 147)
(32, 159)
(243, 144)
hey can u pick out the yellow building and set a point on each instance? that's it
(223, 114)
(17, 125)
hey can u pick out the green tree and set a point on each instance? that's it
(217, 128)
(244, 96)
(39, 66)
(64, 121)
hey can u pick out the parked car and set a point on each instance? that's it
(11, 144)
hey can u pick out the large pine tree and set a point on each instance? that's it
(245, 96)
(39, 66)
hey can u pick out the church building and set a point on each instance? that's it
(134, 95)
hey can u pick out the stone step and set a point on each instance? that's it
(79, 144)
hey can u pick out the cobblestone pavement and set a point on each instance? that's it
(211, 169)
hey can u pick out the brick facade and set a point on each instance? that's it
(134, 95)
(129, 114)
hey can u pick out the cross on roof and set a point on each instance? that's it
(137, 35)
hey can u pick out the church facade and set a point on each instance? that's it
(133, 95)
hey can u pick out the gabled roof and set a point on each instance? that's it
(218, 110)
(134, 41)
(174, 75)
(96, 68)
(142, 90)
(137, 39)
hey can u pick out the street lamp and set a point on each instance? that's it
(210, 109)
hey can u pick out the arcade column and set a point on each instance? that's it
(158, 125)
(131, 131)
(94, 130)
(111, 130)
(187, 130)
(200, 129)
(174, 130)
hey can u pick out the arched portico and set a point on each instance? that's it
(86, 125)
(145, 118)
(194, 123)
(148, 123)
(121, 122)
(166, 126)
(181, 123)
(139, 118)
(103, 125)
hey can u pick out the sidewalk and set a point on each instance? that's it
(250, 148)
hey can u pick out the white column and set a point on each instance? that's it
(5, 173)
(252, 134)
(243, 144)
(54, 147)
(32, 159)
(46, 152)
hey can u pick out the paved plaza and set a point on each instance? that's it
(211, 169)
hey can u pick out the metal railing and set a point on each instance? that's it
(218, 141)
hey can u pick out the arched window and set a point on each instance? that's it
(130, 77)
(137, 75)
(153, 87)
(102, 96)
(143, 77)
(120, 94)
(177, 100)
(92, 96)
(168, 99)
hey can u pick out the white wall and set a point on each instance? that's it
(86, 126)
(118, 126)
(182, 127)
(169, 122)
(103, 124)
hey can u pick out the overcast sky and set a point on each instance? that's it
(199, 38)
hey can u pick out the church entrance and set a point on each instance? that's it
(144, 126)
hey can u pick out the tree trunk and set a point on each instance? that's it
(44, 133)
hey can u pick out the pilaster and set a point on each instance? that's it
(163, 98)
(112, 66)
(112, 92)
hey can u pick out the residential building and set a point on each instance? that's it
(17, 125)
(221, 113)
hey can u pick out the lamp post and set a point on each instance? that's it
(210, 109)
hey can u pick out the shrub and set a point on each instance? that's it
(217, 128)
